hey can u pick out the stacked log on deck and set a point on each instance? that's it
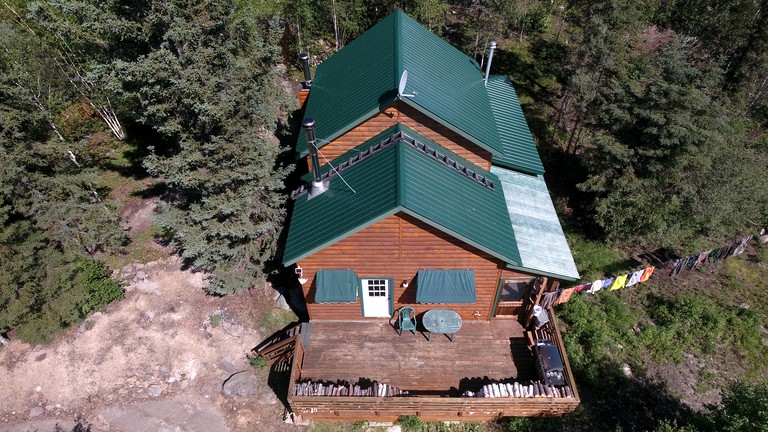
(342, 388)
(533, 389)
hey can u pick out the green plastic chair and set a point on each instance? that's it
(406, 319)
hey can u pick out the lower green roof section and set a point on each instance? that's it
(411, 175)
(520, 151)
(539, 235)
(336, 286)
(445, 286)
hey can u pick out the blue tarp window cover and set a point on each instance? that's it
(445, 286)
(336, 286)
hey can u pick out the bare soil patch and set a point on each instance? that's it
(154, 358)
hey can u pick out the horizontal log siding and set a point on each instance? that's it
(416, 121)
(447, 138)
(427, 408)
(398, 247)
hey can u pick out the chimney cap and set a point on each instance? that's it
(303, 57)
(492, 44)
(308, 122)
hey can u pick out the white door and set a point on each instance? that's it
(375, 297)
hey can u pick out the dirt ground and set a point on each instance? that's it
(153, 361)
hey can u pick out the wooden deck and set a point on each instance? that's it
(372, 350)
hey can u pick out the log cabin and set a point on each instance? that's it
(429, 207)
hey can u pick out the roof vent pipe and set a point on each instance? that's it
(304, 59)
(492, 46)
(317, 183)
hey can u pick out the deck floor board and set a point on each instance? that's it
(373, 350)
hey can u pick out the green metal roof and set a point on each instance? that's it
(519, 149)
(362, 79)
(540, 238)
(406, 174)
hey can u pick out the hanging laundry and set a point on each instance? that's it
(702, 256)
(596, 286)
(580, 288)
(692, 260)
(725, 252)
(677, 266)
(635, 277)
(742, 245)
(565, 295)
(548, 300)
(647, 273)
(619, 282)
(713, 254)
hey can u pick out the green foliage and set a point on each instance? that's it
(99, 288)
(595, 258)
(256, 361)
(208, 84)
(215, 320)
(743, 408)
(276, 319)
(43, 290)
(411, 423)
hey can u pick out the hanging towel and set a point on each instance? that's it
(647, 273)
(725, 251)
(608, 282)
(596, 286)
(702, 257)
(565, 295)
(677, 266)
(742, 245)
(580, 288)
(548, 300)
(635, 277)
(692, 260)
(713, 255)
(619, 282)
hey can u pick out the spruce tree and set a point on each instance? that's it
(210, 86)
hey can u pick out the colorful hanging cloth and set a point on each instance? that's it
(608, 282)
(742, 245)
(565, 295)
(596, 286)
(702, 257)
(619, 282)
(647, 273)
(677, 266)
(635, 277)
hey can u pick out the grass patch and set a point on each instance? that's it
(596, 259)
(276, 319)
(256, 361)
(215, 320)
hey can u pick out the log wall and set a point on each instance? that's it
(402, 113)
(398, 247)
(428, 408)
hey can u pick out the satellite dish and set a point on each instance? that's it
(401, 86)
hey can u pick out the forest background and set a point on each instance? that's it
(650, 117)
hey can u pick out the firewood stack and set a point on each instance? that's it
(318, 388)
(534, 389)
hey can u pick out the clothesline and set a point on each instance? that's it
(672, 268)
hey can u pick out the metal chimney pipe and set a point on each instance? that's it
(492, 46)
(304, 59)
(317, 182)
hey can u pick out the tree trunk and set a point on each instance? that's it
(335, 24)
